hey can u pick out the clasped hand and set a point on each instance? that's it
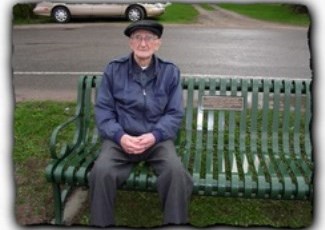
(137, 145)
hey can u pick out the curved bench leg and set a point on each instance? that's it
(58, 213)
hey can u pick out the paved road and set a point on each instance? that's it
(49, 58)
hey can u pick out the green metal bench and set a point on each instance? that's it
(240, 138)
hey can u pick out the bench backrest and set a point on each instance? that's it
(239, 137)
(234, 114)
(250, 114)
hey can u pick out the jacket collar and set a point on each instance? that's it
(154, 59)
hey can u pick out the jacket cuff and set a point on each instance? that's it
(158, 135)
(117, 137)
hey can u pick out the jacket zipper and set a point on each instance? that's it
(144, 93)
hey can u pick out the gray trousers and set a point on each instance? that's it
(113, 167)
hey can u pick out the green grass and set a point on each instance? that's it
(35, 20)
(31, 120)
(179, 13)
(280, 13)
(34, 122)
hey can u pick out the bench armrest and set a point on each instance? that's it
(67, 145)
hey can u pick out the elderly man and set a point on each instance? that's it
(138, 113)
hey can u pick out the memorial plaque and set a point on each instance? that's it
(233, 103)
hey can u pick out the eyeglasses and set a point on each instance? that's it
(147, 38)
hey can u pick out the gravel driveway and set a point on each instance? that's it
(226, 19)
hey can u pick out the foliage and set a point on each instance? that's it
(23, 14)
(24, 11)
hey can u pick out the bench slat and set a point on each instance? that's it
(199, 134)
(297, 122)
(222, 179)
(308, 117)
(210, 143)
(248, 176)
(188, 123)
(235, 178)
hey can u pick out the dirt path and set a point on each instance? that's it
(227, 19)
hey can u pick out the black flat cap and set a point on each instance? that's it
(149, 25)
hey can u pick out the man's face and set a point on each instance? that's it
(144, 43)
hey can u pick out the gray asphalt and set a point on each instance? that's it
(49, 58)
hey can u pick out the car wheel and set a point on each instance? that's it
(135, 13)
(61, 14)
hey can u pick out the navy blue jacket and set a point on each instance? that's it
(124, 105)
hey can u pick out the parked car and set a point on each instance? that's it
(63, 12)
